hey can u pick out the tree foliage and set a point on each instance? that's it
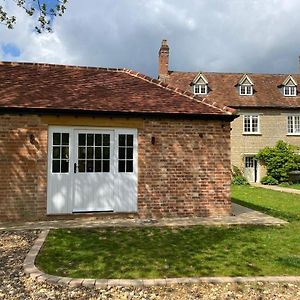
(42, 10)
(280, 160)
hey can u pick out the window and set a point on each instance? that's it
(60, 152)
(200, 89)
(246, 90)
(294, 124)
(249, 162)
(251, 124)
(93, 152)
(125, 153)
(289, 91)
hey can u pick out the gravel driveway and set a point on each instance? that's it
(15, 285)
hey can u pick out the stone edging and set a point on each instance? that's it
(31, 270)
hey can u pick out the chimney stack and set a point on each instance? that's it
(163, 68)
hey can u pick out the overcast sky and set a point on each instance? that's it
(206, 35)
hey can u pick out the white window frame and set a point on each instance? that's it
(251, 117)
(291, 124)
(290, 91)
(246, 92)
(199, 91)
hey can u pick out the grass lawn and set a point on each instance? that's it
(291, 186)
(193, 251)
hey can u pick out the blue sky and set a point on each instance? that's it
(207, 35)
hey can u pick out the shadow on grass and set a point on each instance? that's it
(288, 216)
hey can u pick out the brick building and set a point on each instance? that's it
(80, 140)
(268, 106)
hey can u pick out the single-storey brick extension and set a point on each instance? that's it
(76, 140)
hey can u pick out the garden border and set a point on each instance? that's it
(31, 270)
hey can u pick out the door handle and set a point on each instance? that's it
(75, 168)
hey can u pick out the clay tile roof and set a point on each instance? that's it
(223, 89)
(73, 88)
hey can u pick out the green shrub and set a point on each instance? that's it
(279, 160)
(269, 180)
(240, 180)
(236, 171)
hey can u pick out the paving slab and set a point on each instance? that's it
(75, 282)
(240, 216)
(101, 283)
(276, 188)
(89, 283)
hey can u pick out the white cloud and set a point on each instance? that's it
(215, 35)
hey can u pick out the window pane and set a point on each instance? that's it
(196, 89)
(98, 153)
(105, 165)
(90, 152)
(98, 139)
(65, 152)
(121, 166)
(242, 90)
(65, 139)
(129, 154)
(203, 89)
(106, 139)
(122, 140)
(105, 152)
(286, 91)
(129, 166)
(97, 165)
(90, 166)
(247, 123)
(81, 166)
(129, 140)
(56, 152)
(254, 124)
(55, 166)
(81, 152)
(90, 139)
(290, 124)
(121, 152)
(56, 138)
(64, 166)
(297, 124)
(82, 139)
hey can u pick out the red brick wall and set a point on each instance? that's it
(23, 167)
(185, 173)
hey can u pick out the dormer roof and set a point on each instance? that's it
(200, 79)
(290, 81)
(245, 80)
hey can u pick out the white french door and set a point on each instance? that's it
(93, 180)
(91, 170)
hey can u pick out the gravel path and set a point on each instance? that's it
(15, 285)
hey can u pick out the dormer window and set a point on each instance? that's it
(200, 89)
(246, 90)
(289, 91)
(289, 87)
(245, 86)
(200, 85)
